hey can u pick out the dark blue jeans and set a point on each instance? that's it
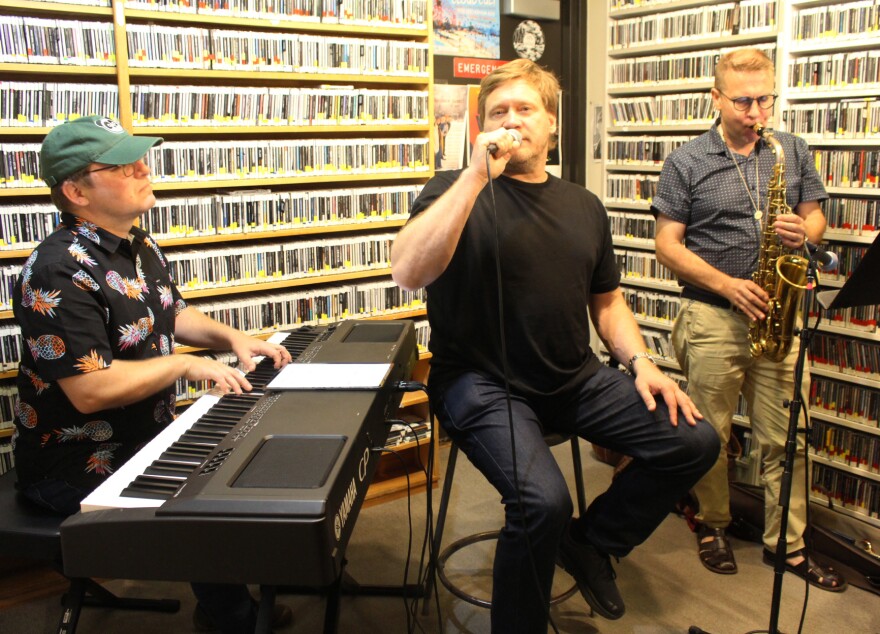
(607, 411)
(230, 606)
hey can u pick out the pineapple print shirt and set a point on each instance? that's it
(84, 298)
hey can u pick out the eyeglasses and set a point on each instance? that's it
(127, 169)
(745, 103)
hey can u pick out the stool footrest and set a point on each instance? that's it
(464, 542)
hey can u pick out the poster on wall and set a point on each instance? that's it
(450, 125)
(467, 28)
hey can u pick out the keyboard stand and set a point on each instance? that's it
(346, 585)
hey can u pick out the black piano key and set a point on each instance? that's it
(152, 484)
(191, 451)
(135, 492)
(169, 469)
(207, 436)
(219, 427)
(225, 414)
(230, 409)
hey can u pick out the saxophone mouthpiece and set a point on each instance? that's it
(759, 129)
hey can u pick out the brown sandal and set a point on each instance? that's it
(824, 578)
(715, 551)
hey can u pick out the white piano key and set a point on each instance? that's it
(108, 495)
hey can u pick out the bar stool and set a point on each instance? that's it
(552, 439)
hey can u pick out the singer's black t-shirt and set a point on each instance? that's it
(555, 244)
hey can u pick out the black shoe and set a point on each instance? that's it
(594, 575)
(202, 622)
(715, 550)
(826, 578)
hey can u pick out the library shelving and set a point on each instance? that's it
(652, 95)
(295, 141)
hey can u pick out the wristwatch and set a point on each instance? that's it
(636, 357)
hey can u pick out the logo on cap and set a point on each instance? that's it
(110, 125)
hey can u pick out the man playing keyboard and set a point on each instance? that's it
(99, 315)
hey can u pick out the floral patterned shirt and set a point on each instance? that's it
(84, 298)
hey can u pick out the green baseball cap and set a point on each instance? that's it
(77, 144)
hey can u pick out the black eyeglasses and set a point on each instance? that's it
(127, 169)
(745, 103)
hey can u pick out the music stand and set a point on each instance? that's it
(857, 291)
(861, 289)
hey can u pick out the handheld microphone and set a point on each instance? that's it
(825, 260)
(516, 135)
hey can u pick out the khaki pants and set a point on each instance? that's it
(711, 345)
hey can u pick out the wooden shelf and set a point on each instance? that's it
(843, 422)
(367, 224)
(826, 371)
(657, 285)
(258, 128)
(818, 498)
(32, 70)
(274, 234)
(843, 466)
(832, 45)
(413, 398)
(277, 23)
(660, 87)
(308, 280)
(391, 482)
(647, 8)
(661, 128)
(639, 168)
(301, 179)
(260, 76)
(694, 44)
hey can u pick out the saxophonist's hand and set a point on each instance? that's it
(791, 230)
(748, 297)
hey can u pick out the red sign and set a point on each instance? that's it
(473, 67)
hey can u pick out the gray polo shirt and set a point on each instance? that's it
(701, 188)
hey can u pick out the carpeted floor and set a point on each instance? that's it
(665, 587)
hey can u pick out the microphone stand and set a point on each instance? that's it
(795, 406)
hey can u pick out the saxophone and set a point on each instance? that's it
(781, 274)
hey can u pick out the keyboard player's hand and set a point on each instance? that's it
(246, 348)
(226, 379)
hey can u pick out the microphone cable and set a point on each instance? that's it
(506, 372)
(427, 469)
(408, 560)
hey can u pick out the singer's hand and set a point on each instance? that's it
(498, 145)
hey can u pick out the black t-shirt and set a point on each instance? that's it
(84, 298)
(555, 244)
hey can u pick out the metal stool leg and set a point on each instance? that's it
(449, 551)
(441, 523)
(578, 475)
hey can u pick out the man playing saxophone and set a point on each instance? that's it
(712, 213)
